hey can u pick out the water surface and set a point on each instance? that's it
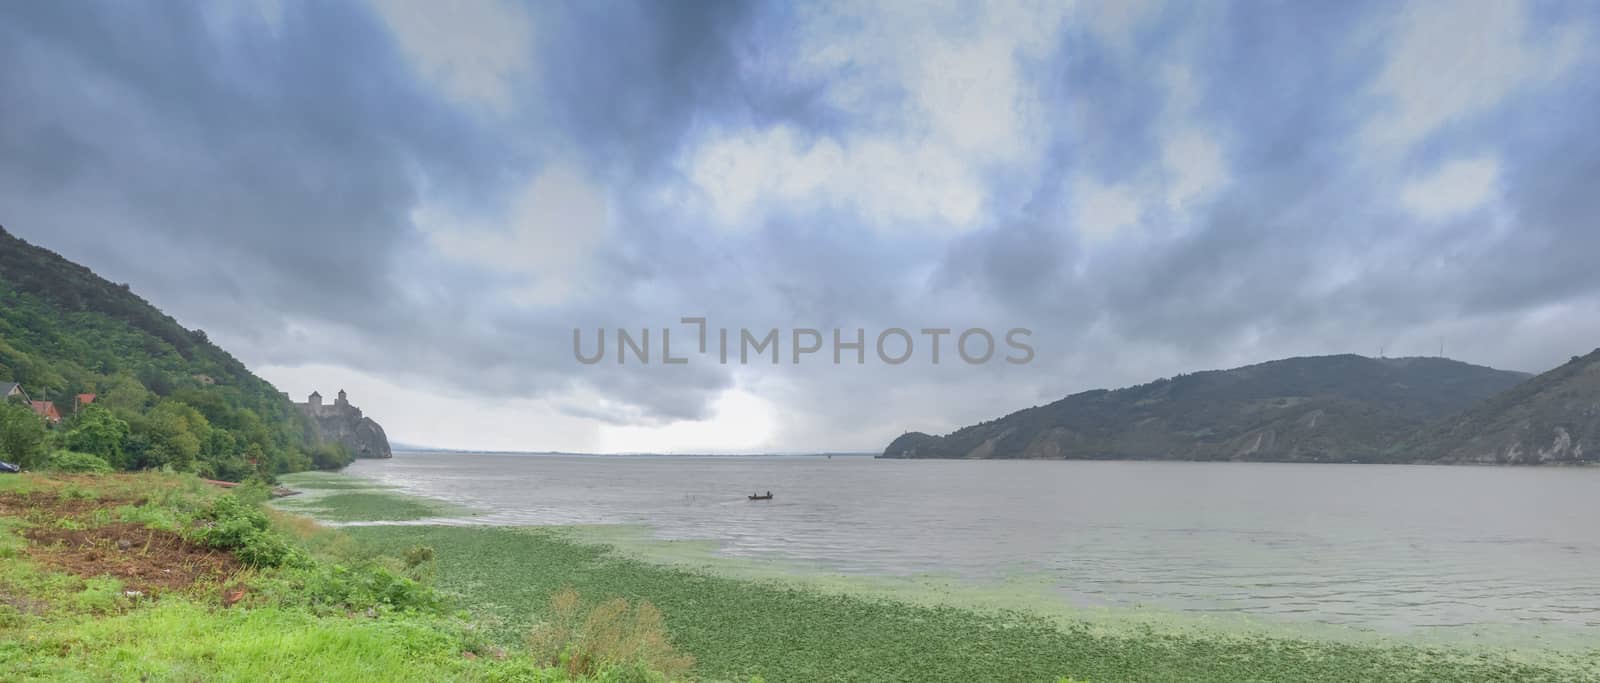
(1386, 547)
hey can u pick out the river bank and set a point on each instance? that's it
(739, 627)
(162, 577)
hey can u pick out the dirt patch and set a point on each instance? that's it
(47, 504)
(145, 559)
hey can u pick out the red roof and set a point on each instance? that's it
(46, 410)
(85, 399)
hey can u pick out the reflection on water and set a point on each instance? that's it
(1388, 547)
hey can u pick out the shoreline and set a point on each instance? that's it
(504, 571)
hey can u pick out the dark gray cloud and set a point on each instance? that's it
(289, 182)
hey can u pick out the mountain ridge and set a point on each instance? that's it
(1332, 408)
(1552, 418)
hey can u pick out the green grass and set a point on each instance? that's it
(343, 498)
(369, 506)
(338, 612)
(737, 628)
(184, 641)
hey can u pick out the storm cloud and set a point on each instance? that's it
(420, 202)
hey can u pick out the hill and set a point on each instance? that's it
(165, 396)
(1313, 409)
(1550, 419)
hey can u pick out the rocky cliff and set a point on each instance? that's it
(343, 423)
(1553, 418)
(1317, 409)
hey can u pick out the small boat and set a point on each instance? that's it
(9, 468)
(765, 497)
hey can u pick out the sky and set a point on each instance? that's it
(419, 202)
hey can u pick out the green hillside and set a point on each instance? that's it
(165, 396)
(1553, 418)
(1316, 409)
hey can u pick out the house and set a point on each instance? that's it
(9, 389)
(81, 400)
(46, 410)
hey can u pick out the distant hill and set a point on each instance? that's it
(1552, 418)
(1313, 409)
(163, 395)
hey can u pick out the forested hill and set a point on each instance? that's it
(1316, 409)
(1553, 418)
(164, 395)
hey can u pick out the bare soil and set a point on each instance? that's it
(147, 560)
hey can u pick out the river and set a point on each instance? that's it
(1384, 547)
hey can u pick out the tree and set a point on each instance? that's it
(176, 432)
(331, 456)
(125, 395)
(21, 435)
(97, 432)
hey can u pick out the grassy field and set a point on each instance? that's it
(154, 577)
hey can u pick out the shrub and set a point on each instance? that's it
(345, 588)
(73, 461)
(240, 526)
(331, 456)
(418, 555)
(21, 434)
(97, 432)
(614, 638)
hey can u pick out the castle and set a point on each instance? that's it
(341, 406)
(344, 423)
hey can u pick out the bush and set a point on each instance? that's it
(615, 639)
(242, 527)
(344, 588)
(21, 434)
(97, 432)
(331, 456)
(73, 461)
(418, 555)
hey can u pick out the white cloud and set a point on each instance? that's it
(417, 414)
(1194, 166)
(1192, 160)
(422, 415)
(549, 232)
(1100, 211)
(471, 50)
(1455, 188)
(739, 422)
(1449, 60)
(944, 92)
(748, 174)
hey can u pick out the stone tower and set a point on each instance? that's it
(315, 401)
(342, 400)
